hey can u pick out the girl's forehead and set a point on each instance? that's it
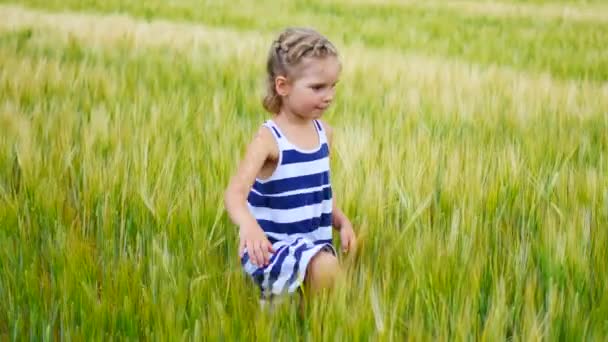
(328, 67)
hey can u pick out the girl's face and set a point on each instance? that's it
(312, 90)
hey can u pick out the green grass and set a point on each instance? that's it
(529, 43)
(479, 190)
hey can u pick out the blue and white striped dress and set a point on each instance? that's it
(294, 208)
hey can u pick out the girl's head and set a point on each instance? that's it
(303, 69)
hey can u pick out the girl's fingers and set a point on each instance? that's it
(352, 244)
(345, 245)
(263, 256)
(260, 251)
(264, 250)
(266, 256)
(269, 251)
(269, 246)
(251, 251)
(241, 247)
(259, 254)
(259, 257)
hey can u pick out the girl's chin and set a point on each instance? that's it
(313, 114)
(317, 112)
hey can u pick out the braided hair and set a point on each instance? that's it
(286, 52)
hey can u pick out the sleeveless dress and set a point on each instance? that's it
(294, 208)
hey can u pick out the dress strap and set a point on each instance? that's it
(321, 130)
(278, 135)
(274, 129)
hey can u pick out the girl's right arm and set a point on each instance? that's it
(251, 235)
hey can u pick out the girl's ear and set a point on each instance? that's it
(282, 86)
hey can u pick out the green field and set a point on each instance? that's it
(471, 155)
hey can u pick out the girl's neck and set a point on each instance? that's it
(291, 118)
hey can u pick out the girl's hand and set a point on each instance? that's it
(258, 247)
(347, 237)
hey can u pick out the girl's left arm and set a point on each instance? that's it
(339, 220)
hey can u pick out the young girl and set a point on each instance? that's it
(281, 195)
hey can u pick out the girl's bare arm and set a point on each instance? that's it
(252, 237)
(339, 219)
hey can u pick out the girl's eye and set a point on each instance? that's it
(317, 87)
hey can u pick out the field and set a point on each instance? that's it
(471, 155)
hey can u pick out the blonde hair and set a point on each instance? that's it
(286, 52)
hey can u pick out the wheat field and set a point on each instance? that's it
(471, 155)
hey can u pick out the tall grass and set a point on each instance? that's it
(479, 190)
(537, 41)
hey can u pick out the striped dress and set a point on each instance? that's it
(294, 208)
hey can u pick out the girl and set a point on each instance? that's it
(281, 196)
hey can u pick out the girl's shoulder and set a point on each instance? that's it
(264, 140)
